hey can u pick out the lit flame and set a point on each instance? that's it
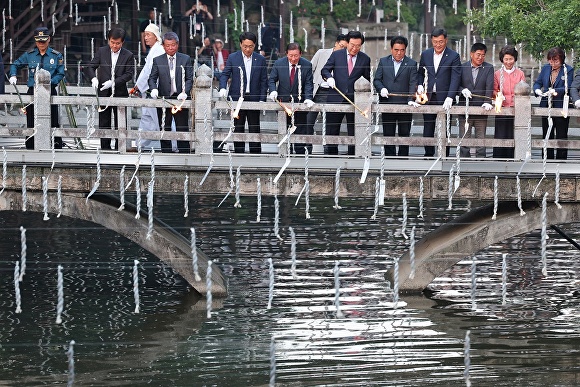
(177, 108)
(421, 98)
(499, 98)
(365, 113)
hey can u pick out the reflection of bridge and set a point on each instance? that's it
(213, 173)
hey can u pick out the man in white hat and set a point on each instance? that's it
(149, 121)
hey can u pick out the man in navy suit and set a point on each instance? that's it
(443, 68)
(476, 82)
(343, 68)
(293, 75)
(253, 67)
(397, 73)
(116, 68)
(172, 76)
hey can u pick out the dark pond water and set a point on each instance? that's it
(532, 340)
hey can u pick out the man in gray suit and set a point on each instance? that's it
(397, 74)
(172, 76)
(477, 85)
(116, 68)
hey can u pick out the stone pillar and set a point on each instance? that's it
(363, 100)
(523, 114)
(202, 110)
(42, 110)
(282, 130)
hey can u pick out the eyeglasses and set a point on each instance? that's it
(249, 46)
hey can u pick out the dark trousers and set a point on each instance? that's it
(320, 97)
(54, 121)
(253, 118)
(333, 122)
(105, 123)
(390, 121)
(504, 129)
(300, 121)
(181, 119)
(560, 132)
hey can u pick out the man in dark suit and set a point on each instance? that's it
(293, 75)
(341, 71)
(253, 67)
(172, 76)
(116, 68)
(476, 82)
(442, 67)
(397, 73)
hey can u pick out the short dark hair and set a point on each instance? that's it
(478, 47)
(438, 32)
(248, 36)
(116, 33)
(509, 50)
(355, 35)
(399, 40)
(170, 36)
(556, 52)
(340, 37)
(293, 46)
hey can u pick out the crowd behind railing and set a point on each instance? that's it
(337, 85)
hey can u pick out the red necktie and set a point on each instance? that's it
(292, 75)
(350, 64)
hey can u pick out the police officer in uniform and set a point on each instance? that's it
(46, 58)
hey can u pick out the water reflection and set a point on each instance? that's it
(533, 340)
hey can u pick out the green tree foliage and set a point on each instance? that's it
(537, 24)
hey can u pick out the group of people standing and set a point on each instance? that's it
(329, 78)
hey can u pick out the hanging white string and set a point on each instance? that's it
(60, 295)
(98, 181)
(211, 161)
(238, 174)
(404, 223)
(272, 362)
(271, 283)
(45, 198)
(421, 193)
(466, 359)
(150, 186)
(136, 284)
(232, 182)
(412, 253)
(17, 288)
(71, 364)
(450, 188)
(503, 278)
(24, 196)
(323, 126)
(396, 282)
(336, 271)
(4, 169)
(544, 233)
(276, 215)
(545, 143)
(383, 183)
(377, 190)
(208, 286)
(557, 188)
(495, 199)
(473, 282)
(336, 189)
(137, 198)
(529, 135)
(22, 253)
(59, 196)
(259, 199)
(293, 252)
(186, 196)
(194, 255)
(122, 189)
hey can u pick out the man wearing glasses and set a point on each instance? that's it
(247, 72)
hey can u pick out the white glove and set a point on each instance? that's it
(309, 103)
(413, 103)
(577, 104)
(95, 83)
(448, 103)
(384, 92)
(273, 95)
(154, 93)
(538, 92)
(331, 82)
(182, 96)
(12, 80)
(223, 93)
(466, 93)
(107, 85)
(420, 89)
(487, 106)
